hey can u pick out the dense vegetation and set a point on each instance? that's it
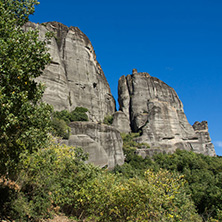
(202, 173)
(56, 179)
(39, 178)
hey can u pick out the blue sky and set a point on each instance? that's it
(179, 42)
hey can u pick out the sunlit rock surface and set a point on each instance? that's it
(102, 142)
(74, 77)
(155, 110)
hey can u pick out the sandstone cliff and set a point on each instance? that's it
(147, 105)
(102, 142)
(74, 77)
(155, 110)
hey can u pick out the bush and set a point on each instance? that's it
(204, 177)
(60, 128)
(48, 181)
(158, 197)
(61, 119)
(62, 115)
(79, 114)
(108, 120)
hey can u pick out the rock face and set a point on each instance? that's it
(155, 110)
(204, 144)
(74, 77)
(102, 142)
(147, 105)
(121, 122)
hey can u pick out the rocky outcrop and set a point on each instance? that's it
(155, 110)
(204, 144)
(74, 77)
(121, 122)
(102, 142)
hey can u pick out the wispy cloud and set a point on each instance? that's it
(218, 143)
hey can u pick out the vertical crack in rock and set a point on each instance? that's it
(156, 110)
(75, 65)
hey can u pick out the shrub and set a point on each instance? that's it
(62, 115)
(60, 128)
(79, 114)
(49, 180)
(108, 120)
(158, 197)
(61, 119)
(204, 177)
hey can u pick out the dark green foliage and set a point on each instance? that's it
(24, 119)
(134, 164)
(61, 119)
(108, 120)
(8, 195)
(60, 128)
(79, 114)
(204, 176)
(62, 115)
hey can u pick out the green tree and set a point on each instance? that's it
(204, 176)
(24, 119)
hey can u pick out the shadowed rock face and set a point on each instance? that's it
(74, 77)
(155, 110)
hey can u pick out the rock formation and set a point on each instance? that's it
(155, 110)
(147, 105)
(121, 122)
(74, 77)
(102, 142)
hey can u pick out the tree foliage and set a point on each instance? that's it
(204, 176)
(56, 179)
(24, 120)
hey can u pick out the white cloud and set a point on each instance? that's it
(218, 143)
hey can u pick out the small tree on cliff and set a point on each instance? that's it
(24, 119)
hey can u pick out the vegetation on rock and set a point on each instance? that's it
(61, 119)
(108, 120)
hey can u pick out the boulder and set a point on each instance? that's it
(97, 154)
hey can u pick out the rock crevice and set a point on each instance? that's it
(155, 110)
(74, 72)
(74, 78)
